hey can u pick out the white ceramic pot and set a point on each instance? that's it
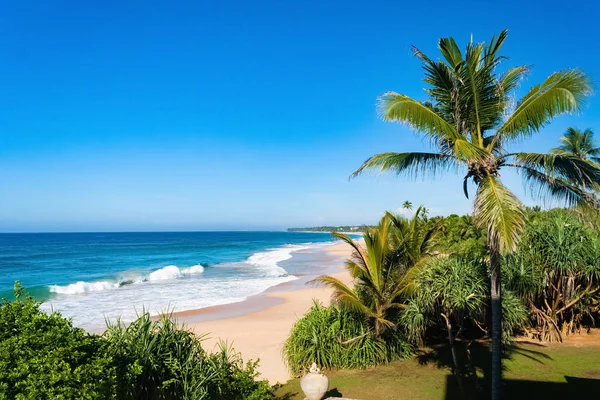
(314, 384)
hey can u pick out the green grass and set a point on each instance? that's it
(532, 371)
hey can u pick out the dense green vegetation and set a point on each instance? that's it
(471, 118)
(556, 272)
(335, 338)
(361, 329)
(417, 284)
(42, 356)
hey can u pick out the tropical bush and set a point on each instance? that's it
(171, 363)
(42, 356)
(382, 270)
(337, 337)
(452, 296)
(460, 236)
(414, 285)
(556, 270)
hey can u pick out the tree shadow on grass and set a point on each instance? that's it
(474, 359)
(333, 393)
(287, 396)
(573, 388)
(291, 395)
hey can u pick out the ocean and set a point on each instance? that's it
(91, 277)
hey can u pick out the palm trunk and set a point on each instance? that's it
(496, 321)
(454, 356)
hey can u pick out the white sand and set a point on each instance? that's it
(261, 334)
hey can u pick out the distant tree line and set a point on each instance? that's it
(343, 228)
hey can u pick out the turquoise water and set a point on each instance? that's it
(90, 276)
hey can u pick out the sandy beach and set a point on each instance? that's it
(265, 322)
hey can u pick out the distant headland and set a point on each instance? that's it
(329, 229)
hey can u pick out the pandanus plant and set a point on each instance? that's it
(470, 121)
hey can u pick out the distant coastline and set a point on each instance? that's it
(345, 229)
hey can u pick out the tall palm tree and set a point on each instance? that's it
(469, 119)
(382, 268)
(407, 205)
(575, 143)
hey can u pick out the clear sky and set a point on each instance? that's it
(202, 115)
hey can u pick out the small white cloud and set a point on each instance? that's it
(405, 212)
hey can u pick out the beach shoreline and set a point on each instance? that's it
(258, 326)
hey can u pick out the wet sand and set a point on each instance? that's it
(258, 326)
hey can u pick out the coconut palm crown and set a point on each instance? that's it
(579, 144)
(470, 121)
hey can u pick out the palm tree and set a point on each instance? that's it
(575, 143)
(407, 205)
(382, 269)
(470, 121)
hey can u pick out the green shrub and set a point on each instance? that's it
(171, 364)
(232, 380)
(556, 271)
(42, 356)
(334, 337)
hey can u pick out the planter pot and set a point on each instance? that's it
(314, 384)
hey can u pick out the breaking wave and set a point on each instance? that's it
(168, 272)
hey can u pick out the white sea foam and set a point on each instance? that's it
(168, 272)
(164, 273)
(193, 270)
(84, 287)
(268, 261)
(172, 288)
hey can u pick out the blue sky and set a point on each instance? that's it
(154, 115)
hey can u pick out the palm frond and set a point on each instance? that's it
(493, 48)
(413, 164)
(359, 252)
(542, 185)
(499, 211)
(400, 108)
(333, 283)
(575, 170)
(511, 78)
(562, 92)
(473, 73)
(466, 151)
(438, 74)
(451, 52)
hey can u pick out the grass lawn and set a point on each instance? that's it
(531, 371)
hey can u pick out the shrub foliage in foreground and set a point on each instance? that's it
(42, 356)
(335, 337)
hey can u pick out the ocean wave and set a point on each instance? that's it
(164, 273)
(168, 289)
(265, 263)
(268, 261)
(83, 287)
